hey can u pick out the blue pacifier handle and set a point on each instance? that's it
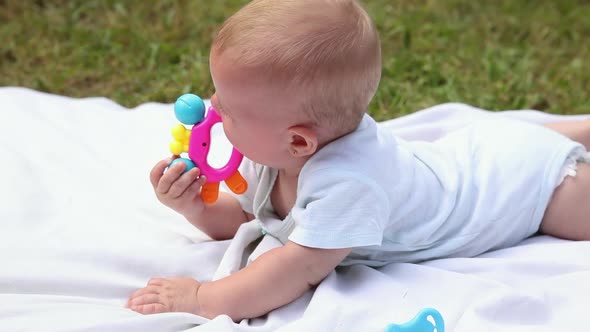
(420, 323)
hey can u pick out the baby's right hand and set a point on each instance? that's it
(177, 190)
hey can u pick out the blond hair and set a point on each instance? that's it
(329, 47)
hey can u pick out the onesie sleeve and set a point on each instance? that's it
(251, 174)
(339, 209)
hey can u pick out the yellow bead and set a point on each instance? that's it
(176, 147)
(187, 134)
(179, 132)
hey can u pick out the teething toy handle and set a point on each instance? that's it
(199, 145)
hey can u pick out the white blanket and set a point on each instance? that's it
(81, 230)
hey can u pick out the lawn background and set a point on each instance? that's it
(505, 54)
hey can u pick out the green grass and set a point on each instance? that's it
(506, 54)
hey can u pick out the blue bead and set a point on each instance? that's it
(189, 164)
(189, 109)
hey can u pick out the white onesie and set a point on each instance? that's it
(485, 186)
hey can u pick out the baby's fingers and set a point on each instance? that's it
(158, 171)
(171, 175)
(195, 188)
(181, 185)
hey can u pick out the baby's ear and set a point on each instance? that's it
(303, 141)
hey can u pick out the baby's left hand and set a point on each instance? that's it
(166, 295)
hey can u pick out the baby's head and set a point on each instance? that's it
(312, 63)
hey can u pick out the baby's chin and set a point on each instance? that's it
(272, 163)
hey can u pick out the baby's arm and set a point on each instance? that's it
(221, 219)
(273, 280)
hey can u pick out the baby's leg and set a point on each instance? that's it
(578, 131)
(568, 213)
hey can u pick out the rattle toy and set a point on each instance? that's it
(189, 109)
(421, 323)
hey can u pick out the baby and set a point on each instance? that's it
(293, 81)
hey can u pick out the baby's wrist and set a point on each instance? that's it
(201, 294)
(193, 215)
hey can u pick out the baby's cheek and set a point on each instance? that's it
(229, 133)
(227, 129)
